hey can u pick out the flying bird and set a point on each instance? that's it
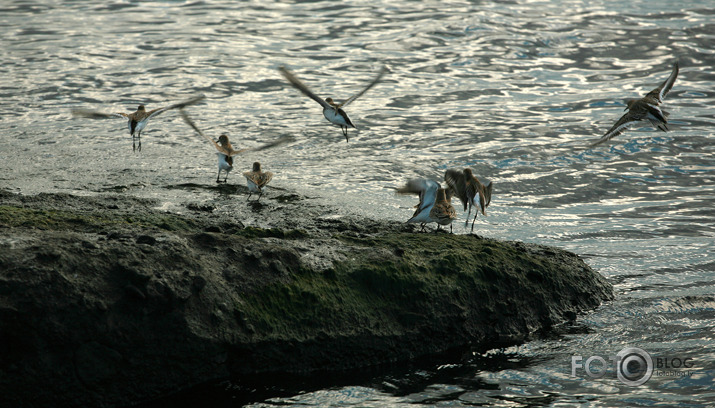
(224, 149)
(137, 120)
(648, 107)
(332, 111)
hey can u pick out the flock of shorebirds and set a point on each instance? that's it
(435, 202)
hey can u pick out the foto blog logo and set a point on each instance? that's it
(633, 366)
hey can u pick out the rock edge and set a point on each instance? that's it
(106, 301)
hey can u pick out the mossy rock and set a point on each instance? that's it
(105, 301)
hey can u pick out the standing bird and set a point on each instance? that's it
(137, 120)
(256, 180)
(647, 107)
(224, 149)
(427, 191)
(442, 212)
(470, 191)
(332, 111)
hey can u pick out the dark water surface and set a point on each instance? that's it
(516, 90)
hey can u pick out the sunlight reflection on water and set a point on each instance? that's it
(516, 90)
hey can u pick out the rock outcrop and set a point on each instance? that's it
(105, 301)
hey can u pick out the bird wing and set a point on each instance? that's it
(227, 152)
(660, 92)
(179, 105)
(623, 123)
(426, 189)
(488, 194)
(473, 188)
(282, 140)
(456, 182)
(191, 123)
(481, 196)
(92, 114)
(265, 178)
(253, 177)
(301, 87)
(232, 152)
(451, 211)
(370, 85)
(259, 179)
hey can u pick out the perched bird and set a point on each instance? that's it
(427, 191)
(332, 111)
(442, 212)
(257, 179)
(224, 149)
(225, 153)
(647, 107)
(137, 120)
(470, 191)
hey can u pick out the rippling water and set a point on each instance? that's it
(517, 90)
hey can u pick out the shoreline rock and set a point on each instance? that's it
(106, 301)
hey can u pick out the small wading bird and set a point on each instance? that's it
(224, 149)
(647, 107)
(442, 212)
(434, 205)
(137, 120)
(470, 191)
(332, 111)
(427, 191)
(256, 180)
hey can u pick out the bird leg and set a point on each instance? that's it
(345, 132)
(475, 218)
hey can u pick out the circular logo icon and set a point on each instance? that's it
(635, 366)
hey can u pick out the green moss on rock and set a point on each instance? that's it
(58, 220)
(104, 293)
(469, 289)
(255, 232)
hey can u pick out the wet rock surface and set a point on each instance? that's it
(107, 301)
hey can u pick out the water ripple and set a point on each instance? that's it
(516, 90)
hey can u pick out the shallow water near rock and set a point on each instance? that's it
(515, 90)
